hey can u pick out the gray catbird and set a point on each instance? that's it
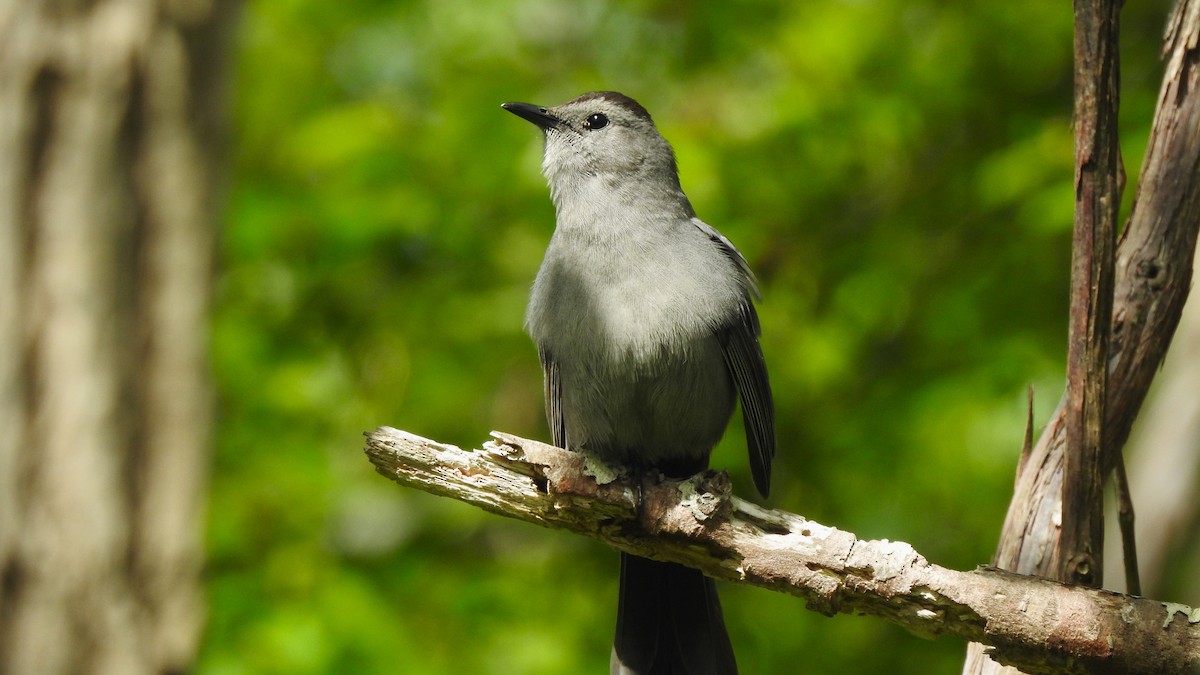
(644, 323)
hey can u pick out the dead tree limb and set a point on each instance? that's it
(1153, 276)
(1078, 556)
(1154, 269)
(1038, 625)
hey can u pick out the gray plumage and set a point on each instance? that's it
(644, 322)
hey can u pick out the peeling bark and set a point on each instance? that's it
(1039, 625)
(1153, 277)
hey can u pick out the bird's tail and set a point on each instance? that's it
(669, 622)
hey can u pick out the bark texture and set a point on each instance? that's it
(1153, 276)
(1078, 556)
(1164, 469)
(108, 113)
(1042, 626)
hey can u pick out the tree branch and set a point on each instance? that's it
(1038, 625)
(1078, 556)
(1125, 520)
(1154, 266)
(1153, 276)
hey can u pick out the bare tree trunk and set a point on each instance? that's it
(107, 110)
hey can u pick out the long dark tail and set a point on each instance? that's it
(669, 622)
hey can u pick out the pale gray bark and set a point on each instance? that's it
(106, 234)
(1039, 625)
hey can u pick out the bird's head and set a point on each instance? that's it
(601, 134)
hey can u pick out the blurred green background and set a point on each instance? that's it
(898, 173)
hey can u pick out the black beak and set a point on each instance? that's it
(536, 114)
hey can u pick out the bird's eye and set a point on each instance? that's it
(596, 121)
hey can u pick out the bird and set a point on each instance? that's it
(645, 325)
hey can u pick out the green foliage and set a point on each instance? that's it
(898, 172)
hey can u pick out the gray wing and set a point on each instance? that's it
(734, 255)
(553, 396)
(744, 357)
